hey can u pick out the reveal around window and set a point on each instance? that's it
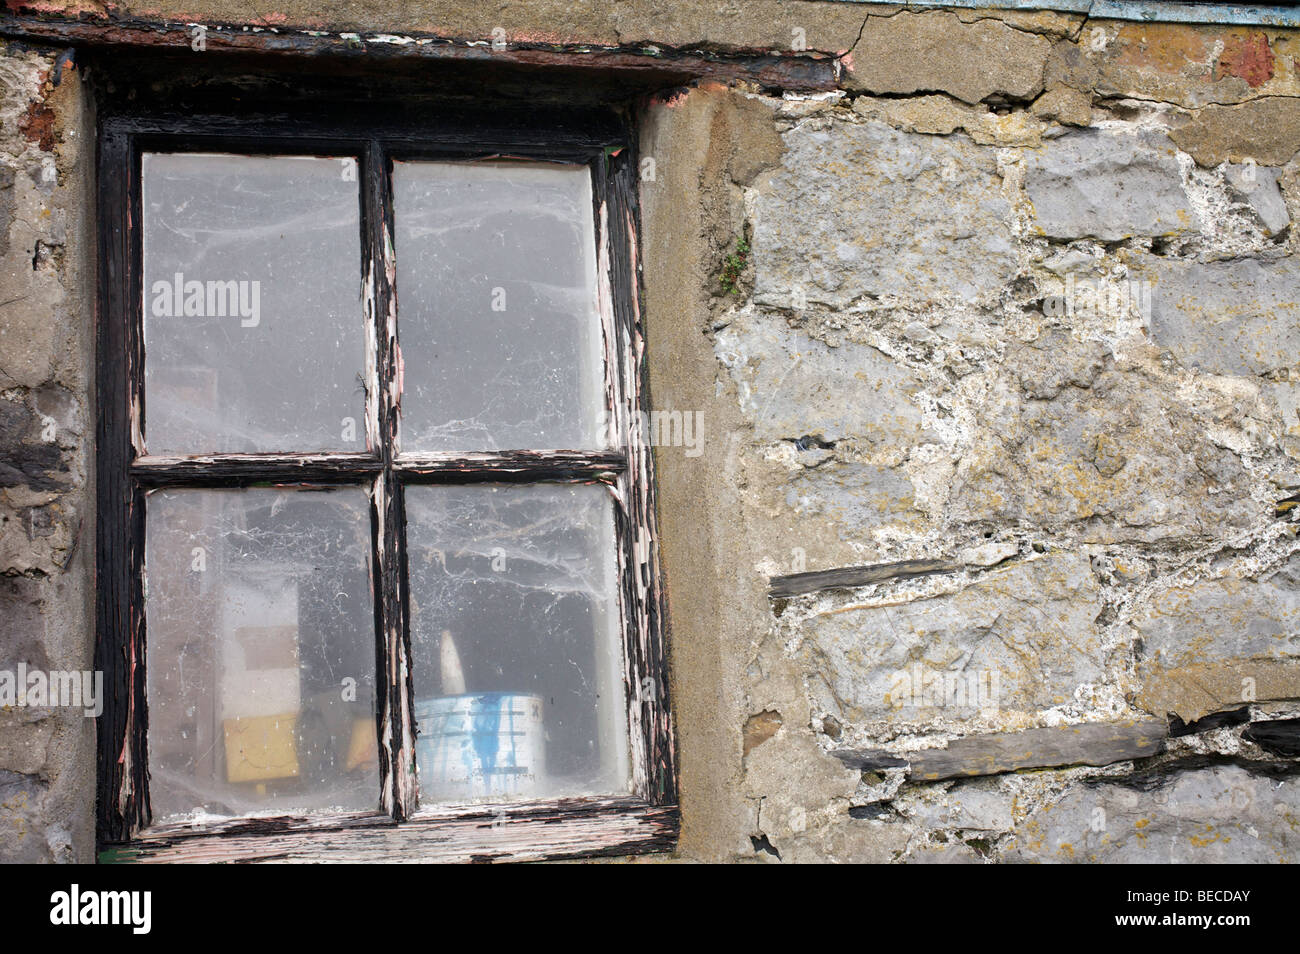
(376, 565)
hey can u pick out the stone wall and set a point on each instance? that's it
(1015, 329)
(47, 516)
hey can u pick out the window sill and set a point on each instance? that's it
(539, 831)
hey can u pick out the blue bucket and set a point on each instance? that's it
(482, 745)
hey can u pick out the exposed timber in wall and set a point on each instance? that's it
(1094, 743)
(652, 64)
(798, 584)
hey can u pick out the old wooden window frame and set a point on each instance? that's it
(646, 820)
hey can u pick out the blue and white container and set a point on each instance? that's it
(482, 745)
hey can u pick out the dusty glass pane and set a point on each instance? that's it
(497, 307)
(261, 652)
(254, 336)
(515, 640)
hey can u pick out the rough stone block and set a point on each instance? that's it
(923, 52)
(1266, 130)
(1182, 63)
(1205, 815)
(1022, 636)
(942, 115)
(28, 737)
(863, 210)
(1221, 642)
(854, 497)
(1108, 184)
(1224, 619)
(23, 821)
(1064, 104)
(1235, 317)
(960, 854)
(22, 628)
(968, 806)
(1066, 437)
(1258, 186)
(791, 385)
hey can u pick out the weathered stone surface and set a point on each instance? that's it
(973, 806)
(1235, 317)
(1221, 642)
(1070, 64)
(28, 737)
(7, 204)
(942, 115)
(1199, 689)
(759, 728)
(865, 210)
(27, 733)
(1258, 186)
(1186, 64)
(951, 854)
(1065, 437)
(854, 497)
(922, 52)
(791, 385)
(1030, 625)
(22, 632)
(29, 461)
(1266, 130)
(47, 760)
(1247, 56)
(23, 825)
(1108, 184)
(1064, 104)
(856, 843)
(791, 781)
(1047, 22)
(34, 300)
(38, 478)
(1206, 815)
(989, 554)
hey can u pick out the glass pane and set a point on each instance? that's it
(261, 641)
(517, 655)
(498, 314)
(254, 333)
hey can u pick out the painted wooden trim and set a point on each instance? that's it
(399, 789)
(511, 466)
(653, 751)
(122, 727)
(240, 470)
(577, 828)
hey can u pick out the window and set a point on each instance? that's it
(376, 562)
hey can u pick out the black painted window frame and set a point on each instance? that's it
(602, 139)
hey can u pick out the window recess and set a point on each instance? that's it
(376, 563)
